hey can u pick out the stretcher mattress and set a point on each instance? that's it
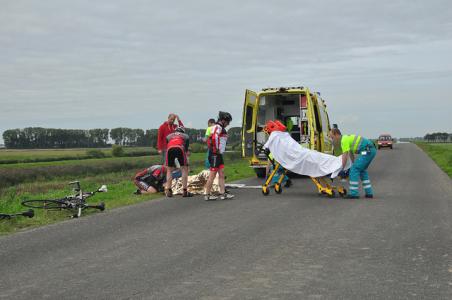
(293, 157)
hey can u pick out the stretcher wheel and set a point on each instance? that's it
(278, 188)
(265, 190)
(344, 193)
(332, 195)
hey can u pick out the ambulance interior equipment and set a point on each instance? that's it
(303, 113)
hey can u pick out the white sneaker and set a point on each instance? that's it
(210, 197)
(226, 196)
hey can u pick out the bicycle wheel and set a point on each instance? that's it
(45, 204)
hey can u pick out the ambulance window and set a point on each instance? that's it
(324, 120)
(261, 115)
(317, 118)
(249, 117)
(252, 99)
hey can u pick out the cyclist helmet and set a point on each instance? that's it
(180, 129)
(222, 115)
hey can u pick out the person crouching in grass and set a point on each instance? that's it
(150, 180)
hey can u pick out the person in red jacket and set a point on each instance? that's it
(165, 129)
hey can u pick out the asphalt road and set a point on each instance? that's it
(296, 245)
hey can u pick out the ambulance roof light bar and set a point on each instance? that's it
(283, 89)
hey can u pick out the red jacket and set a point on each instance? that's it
(164, 130)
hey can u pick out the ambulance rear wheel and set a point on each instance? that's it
(278, 188)
(265, 190)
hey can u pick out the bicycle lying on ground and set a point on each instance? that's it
(76, 202)
(29, 213)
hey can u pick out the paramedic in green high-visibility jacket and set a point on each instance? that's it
(361, 151)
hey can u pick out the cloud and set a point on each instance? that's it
(111, 63)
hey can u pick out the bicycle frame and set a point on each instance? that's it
(76, 201)
(80, 198)
(30, 213)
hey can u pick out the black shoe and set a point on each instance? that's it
(288, 183)
(369, 196)
(352, 197)
(137, 192)
(187, 194)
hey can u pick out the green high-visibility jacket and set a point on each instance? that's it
(350, 143)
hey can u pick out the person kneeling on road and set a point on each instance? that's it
(176, 157)
(150, 180)
(217, 145)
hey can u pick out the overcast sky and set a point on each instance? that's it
(381, 66)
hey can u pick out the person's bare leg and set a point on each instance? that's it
(221, 180)
(184, 177)
(150, 190)
(209, 182)
(169, 179)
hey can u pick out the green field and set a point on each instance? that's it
(43, 155)
(50, 180)
(440, 153)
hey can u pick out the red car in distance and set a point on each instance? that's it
(385, 140)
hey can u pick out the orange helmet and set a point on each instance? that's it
(280, 126)
(269, 127)
(274, 126)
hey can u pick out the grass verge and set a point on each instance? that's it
(14, 174)
(120, 192)
(441, 155)
(15, 156)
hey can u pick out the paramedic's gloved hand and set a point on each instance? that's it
(343, 173)
(347, 173)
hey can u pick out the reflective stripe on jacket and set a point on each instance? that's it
(350, 143)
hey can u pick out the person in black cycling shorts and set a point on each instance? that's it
(150, 180)
(176, 157)
(217, 145)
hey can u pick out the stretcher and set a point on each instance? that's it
(323, 184)
(276, 177)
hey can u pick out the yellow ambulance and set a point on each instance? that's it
(301, 110)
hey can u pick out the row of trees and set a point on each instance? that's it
(439, 137)
(38, 137)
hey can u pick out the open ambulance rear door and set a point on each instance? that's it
(249, 123)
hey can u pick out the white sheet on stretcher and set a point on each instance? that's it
(293, 157)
